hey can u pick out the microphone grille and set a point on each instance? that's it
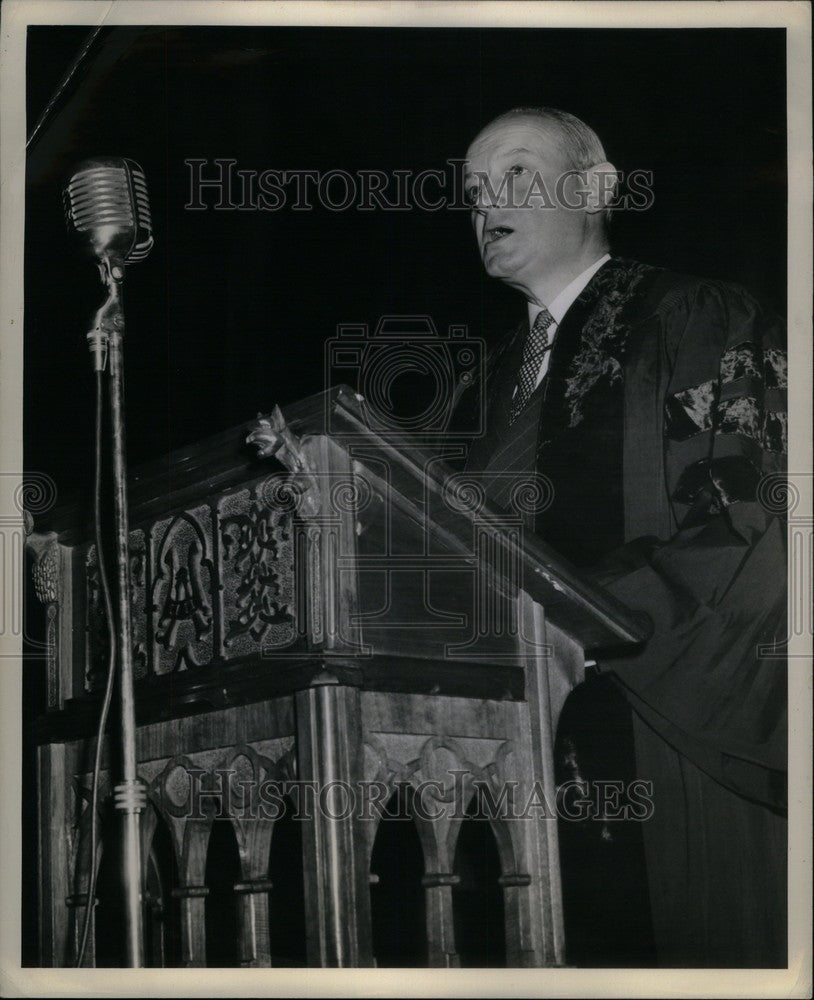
(98, 196)
(109, 196)
(144, 238)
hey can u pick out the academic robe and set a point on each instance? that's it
(661, 426)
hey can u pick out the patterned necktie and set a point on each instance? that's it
(535, 347)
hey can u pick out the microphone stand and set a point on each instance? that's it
(106, 341)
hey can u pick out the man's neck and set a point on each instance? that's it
(563, 300)
(543, 290)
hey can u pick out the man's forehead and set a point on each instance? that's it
(529, 134)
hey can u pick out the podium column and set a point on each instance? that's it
(554, 664)
(55, 887)
(193, 924)
(337, 892)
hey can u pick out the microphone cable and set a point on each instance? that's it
(111, 669)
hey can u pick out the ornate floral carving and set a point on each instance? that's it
(45, 571)
(257, 574)
(272, 436)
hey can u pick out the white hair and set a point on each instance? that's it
(580, 143)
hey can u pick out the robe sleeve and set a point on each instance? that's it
(712, 678)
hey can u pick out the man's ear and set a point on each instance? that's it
(602, 182)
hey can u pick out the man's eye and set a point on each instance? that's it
(517, 169)
(471, 194)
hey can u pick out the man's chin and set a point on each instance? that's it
(497, 266)
(496, 263)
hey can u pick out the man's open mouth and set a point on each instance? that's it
(495, 234)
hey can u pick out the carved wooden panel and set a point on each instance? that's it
(138, 603)
(199, 596)
(46, 573)
(96, 645)
(182, 587)
(52, 654)
(257, 602)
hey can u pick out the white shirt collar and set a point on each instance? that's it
(566, 298)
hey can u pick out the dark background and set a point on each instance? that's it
(230, 312)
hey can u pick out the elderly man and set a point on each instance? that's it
(655, 404)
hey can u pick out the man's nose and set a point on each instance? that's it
(492, 195)
(485, 199)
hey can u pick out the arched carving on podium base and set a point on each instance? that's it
(162, 916)
(397, 905)
(477, 896)
(109, 951)
(221, 909)
(449, 781)
(286, 903)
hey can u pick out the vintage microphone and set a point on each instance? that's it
(106, 198)
(106, 205)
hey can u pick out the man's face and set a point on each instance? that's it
(514, 180)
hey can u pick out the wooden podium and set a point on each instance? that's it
(350, 621)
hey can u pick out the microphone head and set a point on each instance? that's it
(106, 203)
